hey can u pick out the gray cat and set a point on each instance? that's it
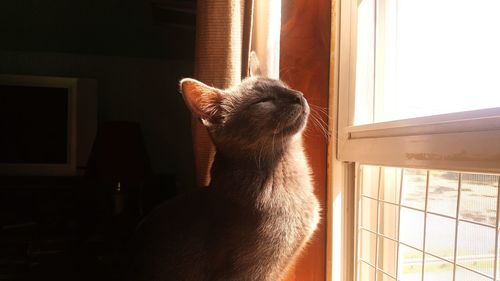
(259, 210)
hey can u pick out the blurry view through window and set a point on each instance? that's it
(427, 225)
(426, 57)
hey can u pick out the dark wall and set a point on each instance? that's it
(102, 27)
(136, 63)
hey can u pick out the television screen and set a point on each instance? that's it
(33, 125)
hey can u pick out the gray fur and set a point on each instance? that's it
(259, 211)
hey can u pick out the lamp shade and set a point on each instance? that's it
(119, 153)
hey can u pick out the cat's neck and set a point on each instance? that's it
(248, 179)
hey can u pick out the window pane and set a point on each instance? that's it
(388, 220)
(478, 198)
(387, 255)
(369, 181)
(463, 274)
(443, 192)
(366, 272)
(426, 67)
(413, 188)
(384, 277)
(440, 236)
(366, 61)
(476, 247)
(390, 184)
(437, 270)
(369, 213)
(410, 264)
(411, 227)
(400, 236)
(498, 258)
(367, 246)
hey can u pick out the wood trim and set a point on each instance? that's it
(304, 65)
(337, 213)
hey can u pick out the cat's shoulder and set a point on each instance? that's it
(177, 210)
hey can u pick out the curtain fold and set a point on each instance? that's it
(223, 34)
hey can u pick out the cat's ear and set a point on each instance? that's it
(203, 101)
(254, 64)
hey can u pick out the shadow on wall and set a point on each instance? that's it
(141, 90)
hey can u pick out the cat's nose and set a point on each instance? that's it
(297, 97)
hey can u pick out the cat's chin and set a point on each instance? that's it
(294, 128)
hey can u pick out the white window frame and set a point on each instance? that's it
(465, 141)
(458, 141)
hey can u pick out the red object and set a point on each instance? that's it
(119, 153)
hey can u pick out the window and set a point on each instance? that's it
(418, 139)
(424, 57)
(416, 223)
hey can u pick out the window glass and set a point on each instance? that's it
(403, 240)
(425, 57)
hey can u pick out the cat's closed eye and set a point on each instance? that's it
(265, 100)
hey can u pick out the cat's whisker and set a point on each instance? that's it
(321, 108)
(305, 133)
(316, 114)
(321, 125)
(273, 152)
(318, 107)
(256, 158)
(260, 155)
(285, 71)
(320, 111)
(322, 120)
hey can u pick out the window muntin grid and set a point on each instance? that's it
(427, 225)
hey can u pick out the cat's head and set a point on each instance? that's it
(260, 115)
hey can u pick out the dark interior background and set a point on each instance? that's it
(137, 50)
(74, 228)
